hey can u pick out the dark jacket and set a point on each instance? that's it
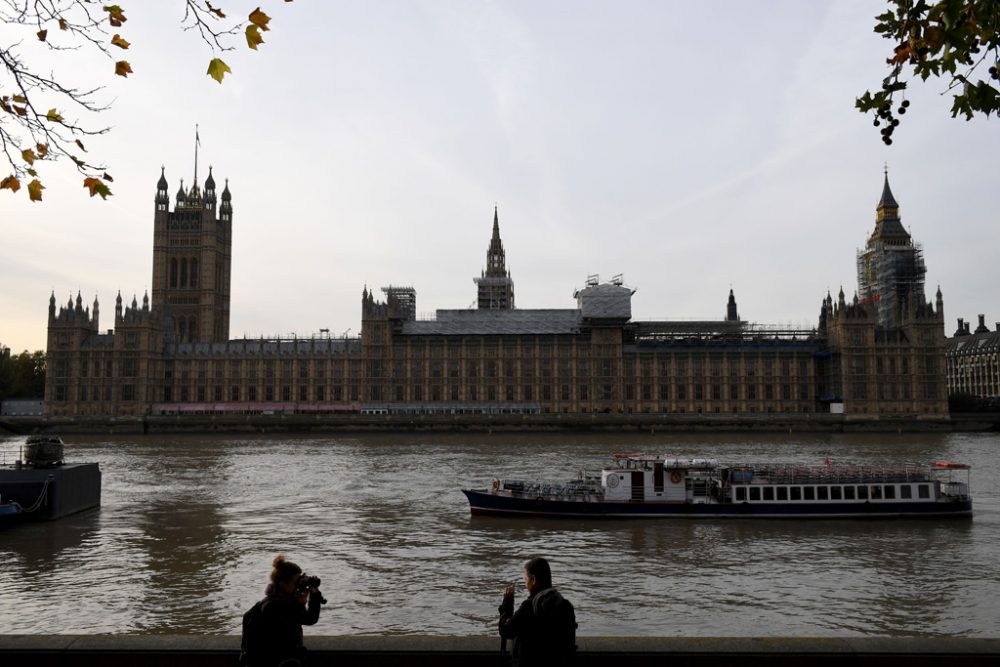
(280, 627)
(543, 629)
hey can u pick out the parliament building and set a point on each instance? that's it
(881, 353)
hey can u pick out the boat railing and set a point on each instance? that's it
(829, 475)
(569, 491)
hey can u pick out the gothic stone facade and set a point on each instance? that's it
(172, 354)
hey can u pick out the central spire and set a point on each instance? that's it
(197, 142)
(496, 289)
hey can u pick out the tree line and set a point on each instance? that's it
(22, 375)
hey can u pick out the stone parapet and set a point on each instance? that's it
(203, 651)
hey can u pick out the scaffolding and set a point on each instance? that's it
(402, 302)
(889, 275)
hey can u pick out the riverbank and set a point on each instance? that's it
(596, 422)
(206, 651)
(624, 423)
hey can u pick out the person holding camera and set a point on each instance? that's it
(272, 628)
(544, 626)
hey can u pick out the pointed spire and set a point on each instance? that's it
(887, 200)
(731, 314)
(162, 183)
(197, 142)
(145, 301)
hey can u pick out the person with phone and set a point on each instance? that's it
(544, 626)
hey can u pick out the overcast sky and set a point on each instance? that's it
(692, 146)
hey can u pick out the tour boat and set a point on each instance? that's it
(644, 486)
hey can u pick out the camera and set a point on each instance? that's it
(306, 582)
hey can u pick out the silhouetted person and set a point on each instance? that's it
(272, 628)
(544, 626)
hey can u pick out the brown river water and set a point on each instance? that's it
(189, 524)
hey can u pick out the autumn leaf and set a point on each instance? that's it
(42, 149)
(62, 25)
(21, 111)
(217, 69)
(119, 42)
(253, 36)
(122, 68)
(32, 173)
(80, 144)
(259, 19)
(108, 178)
(96, 187)
(35, 190)
(41, 35)
(28, 155)
(115, 15)
(215, 10)
(10, 183)
(20, 99)
(53, 115)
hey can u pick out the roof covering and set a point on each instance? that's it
(489, 322)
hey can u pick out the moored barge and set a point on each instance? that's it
(644, 486)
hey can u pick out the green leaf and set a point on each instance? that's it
(218, 69)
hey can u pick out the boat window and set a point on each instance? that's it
(890, 492)
(782, 493)
(876, 493)
(848, 493)
(809, 492)
(835, 493)
(821, 493)
(768, 493)
(862, 493)
(796, 493)
(923, 491)
(905, 491)
(741, 493)
(754, 493)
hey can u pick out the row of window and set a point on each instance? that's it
(860, 492)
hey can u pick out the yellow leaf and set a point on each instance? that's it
(28, 155)
(259, 19)
(41, 35)
(96, 187)
(35, 190)
(42, 149)
(119, 42)
(122, 68)
(217, 69)
(253, 36)
(10, 183)
(115, 15)
(20, 99)
(54, 116)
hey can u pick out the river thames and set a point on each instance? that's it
(189, 524)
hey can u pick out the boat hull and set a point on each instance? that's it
(482, 502)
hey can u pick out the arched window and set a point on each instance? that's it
(184, 272)
(173, 273)
(193, 328)
(194, 273)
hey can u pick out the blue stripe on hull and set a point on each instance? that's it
(481, 502)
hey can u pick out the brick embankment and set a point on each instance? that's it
(416, 651)
(539, 423)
